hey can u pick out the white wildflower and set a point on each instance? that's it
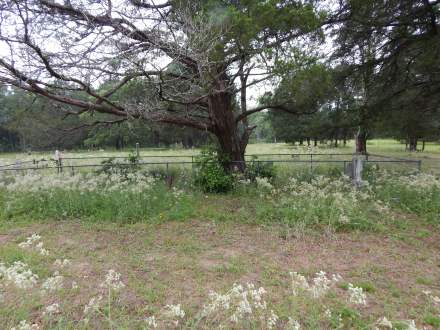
(33, 242)
(293, 324)
(74, 285)
(24, 325)
(61, 263)
(112, 280)
(19, 274)
(320, 283)
(434, 299)
(412, 325)
(52, 309)
(344, 219)
(357, 295)
(151, 321)
(93, 304)
(263, 183)
(272, 320)
(175, 311)
(53, 283)
(385, 323)
(39, 247)
(298, 282)
(244, 307)
(217, 301)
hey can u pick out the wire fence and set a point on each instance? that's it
(167, 163)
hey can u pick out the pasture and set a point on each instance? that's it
(305, 250)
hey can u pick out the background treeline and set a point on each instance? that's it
(381, 79)
(29, 122)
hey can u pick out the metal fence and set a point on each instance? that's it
(309, 161)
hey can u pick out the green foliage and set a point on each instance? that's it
(262, 169)
(432, 320)
(211, 174)
(322, 202)
(153, 205)
(423, 200)
(111, 166)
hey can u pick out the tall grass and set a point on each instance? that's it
(155, 204)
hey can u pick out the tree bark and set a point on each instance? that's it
(232, 142)
(361, 142)
(413, 144)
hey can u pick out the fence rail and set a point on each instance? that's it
(311, 159)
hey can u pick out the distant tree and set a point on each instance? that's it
(312, 91)
(411, 118)
(264, 131)
(389, 48)
(34, 122)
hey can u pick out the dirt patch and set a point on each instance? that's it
(4, 239)
(180, 262)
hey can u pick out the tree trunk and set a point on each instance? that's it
(308, 142)
(232, 141)
(315, 142)
(412, 144)
(423, 145)
(361, 142)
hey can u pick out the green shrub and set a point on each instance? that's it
(211, 174)
(432, 320)
(111, 166)
(418, 194)
(256, 168)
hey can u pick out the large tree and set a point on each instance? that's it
(390, 48)
(197, 59)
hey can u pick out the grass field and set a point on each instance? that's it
(140, 255)
(430, 157)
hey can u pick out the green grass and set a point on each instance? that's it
(173, 248)
(430, 157)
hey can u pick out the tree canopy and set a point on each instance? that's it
(195, 63)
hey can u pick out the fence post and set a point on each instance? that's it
(311, 163)
(137, 150)
(357, 167)
(419, 165)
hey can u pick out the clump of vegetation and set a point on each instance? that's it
(127, 197)
(321, 202)
(418, 193)
(259, 169)
(212, 175)
(111, 166)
